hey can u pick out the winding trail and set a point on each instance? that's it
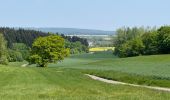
(117, 82)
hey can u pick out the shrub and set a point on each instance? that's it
(131, 48)
(14, 56)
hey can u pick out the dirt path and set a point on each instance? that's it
(116, 82)
(24, 65)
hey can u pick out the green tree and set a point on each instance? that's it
(48, 49)
(135, 41)
(150, 41)
(164, 39)
(125, 34)
(130, 48)
(3, 50)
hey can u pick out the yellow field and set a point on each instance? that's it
(101, 49)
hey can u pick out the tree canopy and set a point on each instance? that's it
(142, 41)
(48, 49)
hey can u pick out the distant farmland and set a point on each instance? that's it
(97, 40)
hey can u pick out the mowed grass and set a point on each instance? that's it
(65, 84)
(66, 80)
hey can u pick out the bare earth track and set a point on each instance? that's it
(117, 82)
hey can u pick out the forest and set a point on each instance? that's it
(18, 43)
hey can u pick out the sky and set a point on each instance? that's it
(85, 14)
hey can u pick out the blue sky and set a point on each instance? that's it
(87, 14)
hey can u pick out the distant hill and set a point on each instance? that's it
(75, 31)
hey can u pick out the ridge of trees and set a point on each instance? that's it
(27, 37)
(142, 41)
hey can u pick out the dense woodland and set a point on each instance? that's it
(20, 36)
(27, 37)
(142, 41)
(18, 43)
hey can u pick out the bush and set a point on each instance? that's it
(14, 56)
(131, 48)
(23, 49)
(76, 47)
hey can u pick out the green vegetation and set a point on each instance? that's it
(3, 50)
(14, 56)
(164, 39)
(24, 37)
(20, 35)
(140, 41)
(150, 42)
(19, 52)
(66, 80)
(145, 70)
(48, 49)
(22, 48)
(76, 47)
(65, 84)
(130, 48)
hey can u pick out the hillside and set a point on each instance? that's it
(75, 31)
(66, 80)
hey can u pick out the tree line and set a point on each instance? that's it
(16, 44)
(27, 36)
(137, 41)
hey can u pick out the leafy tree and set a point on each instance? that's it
(164, 39)
(48, 49)
(125, 34)
(150, 41)
(130, 48)
(135, 41)
(3, 50)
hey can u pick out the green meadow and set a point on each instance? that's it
(66, 80)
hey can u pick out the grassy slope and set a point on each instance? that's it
(147, 70)
(157, 65)
(65, 84)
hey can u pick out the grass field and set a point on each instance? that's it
(66, 80)
(147, 70)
